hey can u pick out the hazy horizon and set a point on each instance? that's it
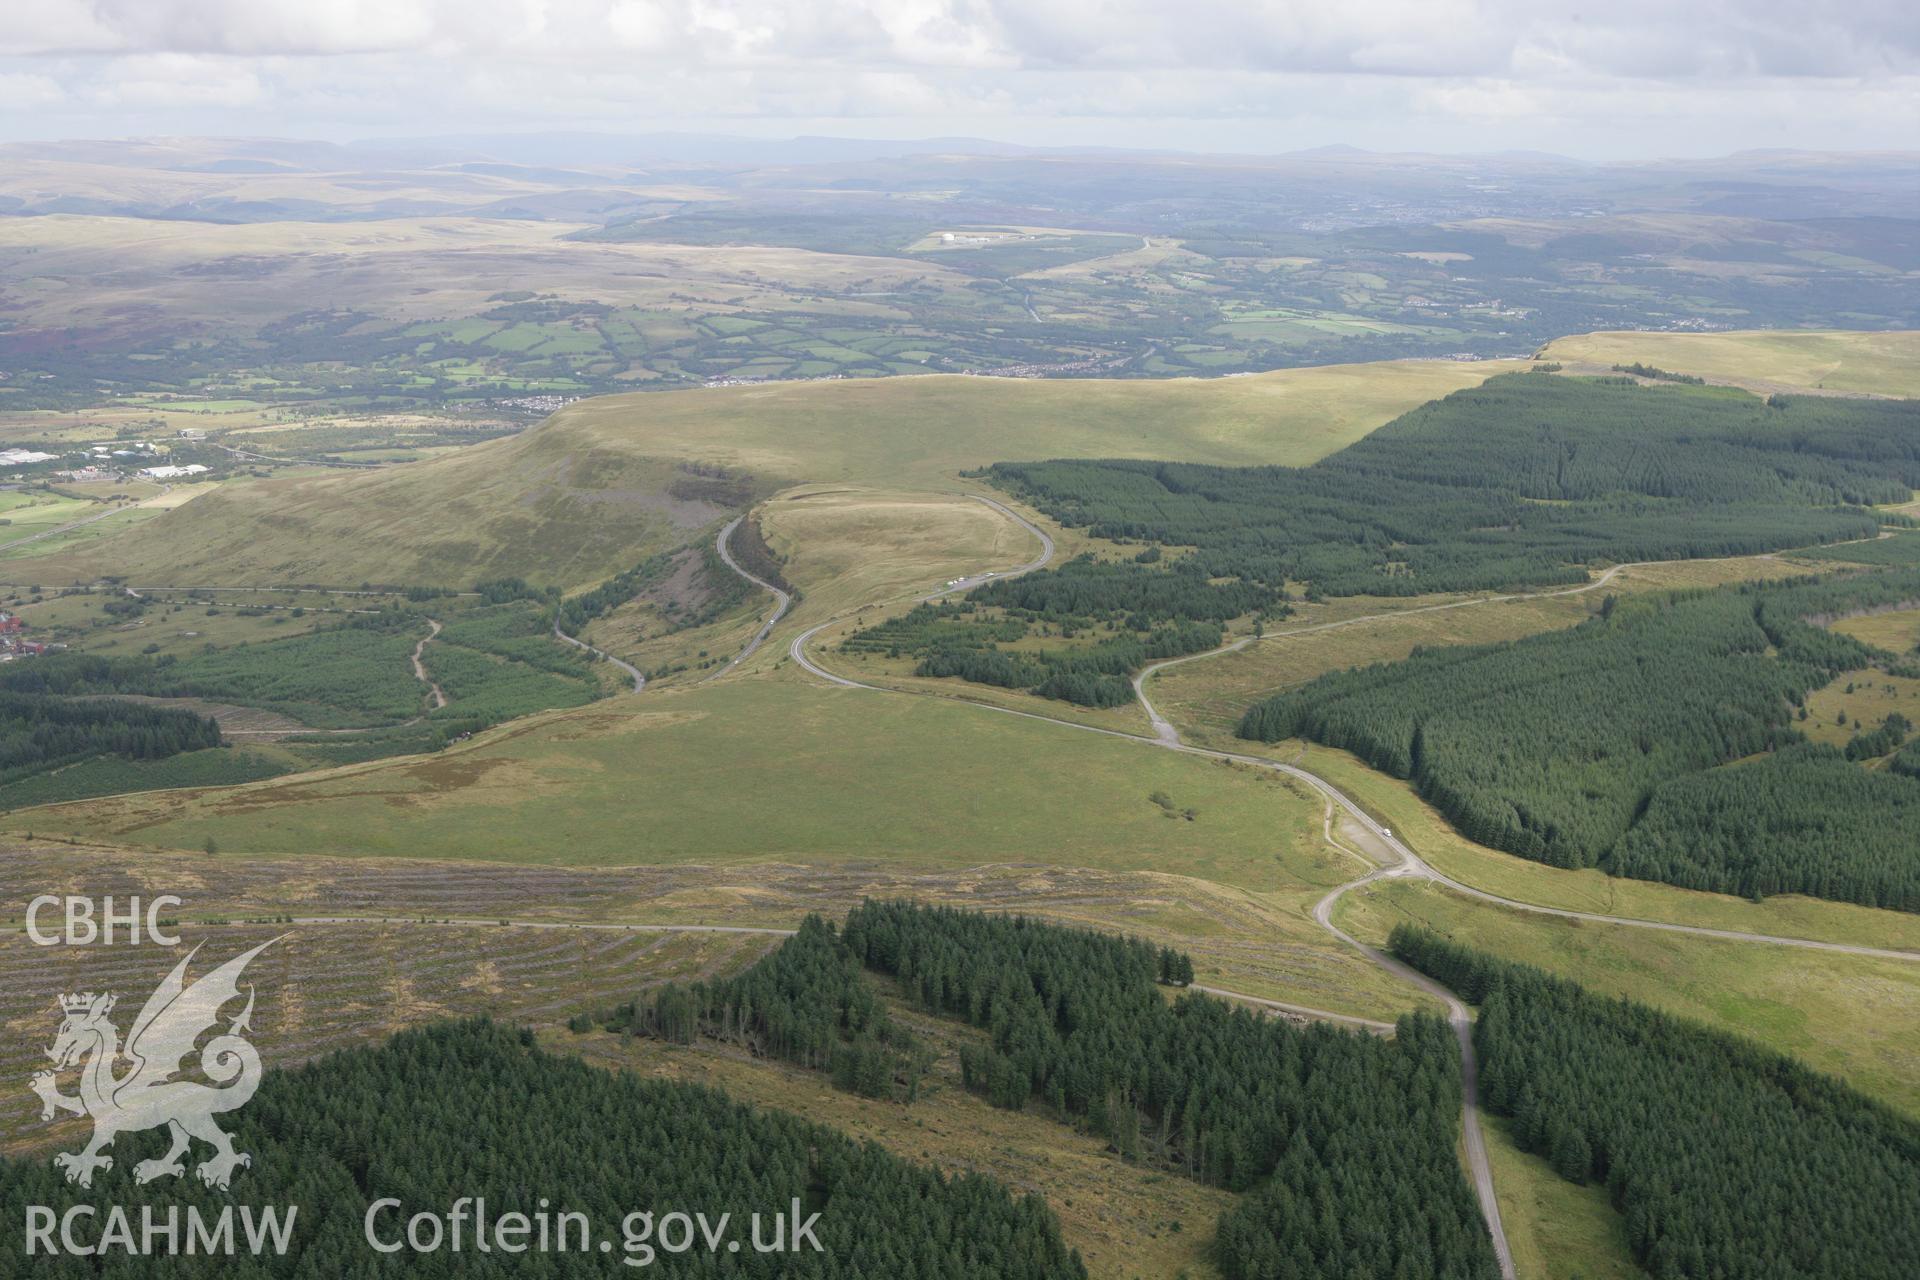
(608, 143)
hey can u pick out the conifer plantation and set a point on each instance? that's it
(1523, 482)
(491, 661)
(1520, 482)
(807, 1003)
(471, 1109)
(40, 733)
(1592, 746)
(1804, 819)
(1729, 1161)
(1133, 616)
(730, 607)
(1343, 1142)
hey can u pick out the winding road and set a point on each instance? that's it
(1038, 562)
(1169, 737)
(1404, 863)
(783, 600)
(798, 649)
(1408, 865)
(1165, 731)
(633, 672)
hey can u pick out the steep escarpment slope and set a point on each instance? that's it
(608, 481)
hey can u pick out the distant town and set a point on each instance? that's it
(104, 461)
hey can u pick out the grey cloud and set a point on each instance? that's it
(1790, 38)
(1669, 75)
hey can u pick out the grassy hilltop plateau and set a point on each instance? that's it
(1359, 732)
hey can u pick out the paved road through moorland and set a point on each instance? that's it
(782, 600)
(1407, 865)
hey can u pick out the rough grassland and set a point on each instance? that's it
(1897, 631)
(643, 634)
(1864, 698)
(849, 547)
(1264, 945)
(322, 988)
(1857, 1017)
(917, 432)
(584, 494)
(1876, 363)
(180, 629)
(1556, 1230)
(400, 269)
(536, 505)
(756, 770)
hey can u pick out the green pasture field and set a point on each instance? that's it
(199, 406)
(18, 548)
(35, 511)
(19, 505)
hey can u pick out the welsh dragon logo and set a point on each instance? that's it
(145, 1095)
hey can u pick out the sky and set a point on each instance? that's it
(1600, 79)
